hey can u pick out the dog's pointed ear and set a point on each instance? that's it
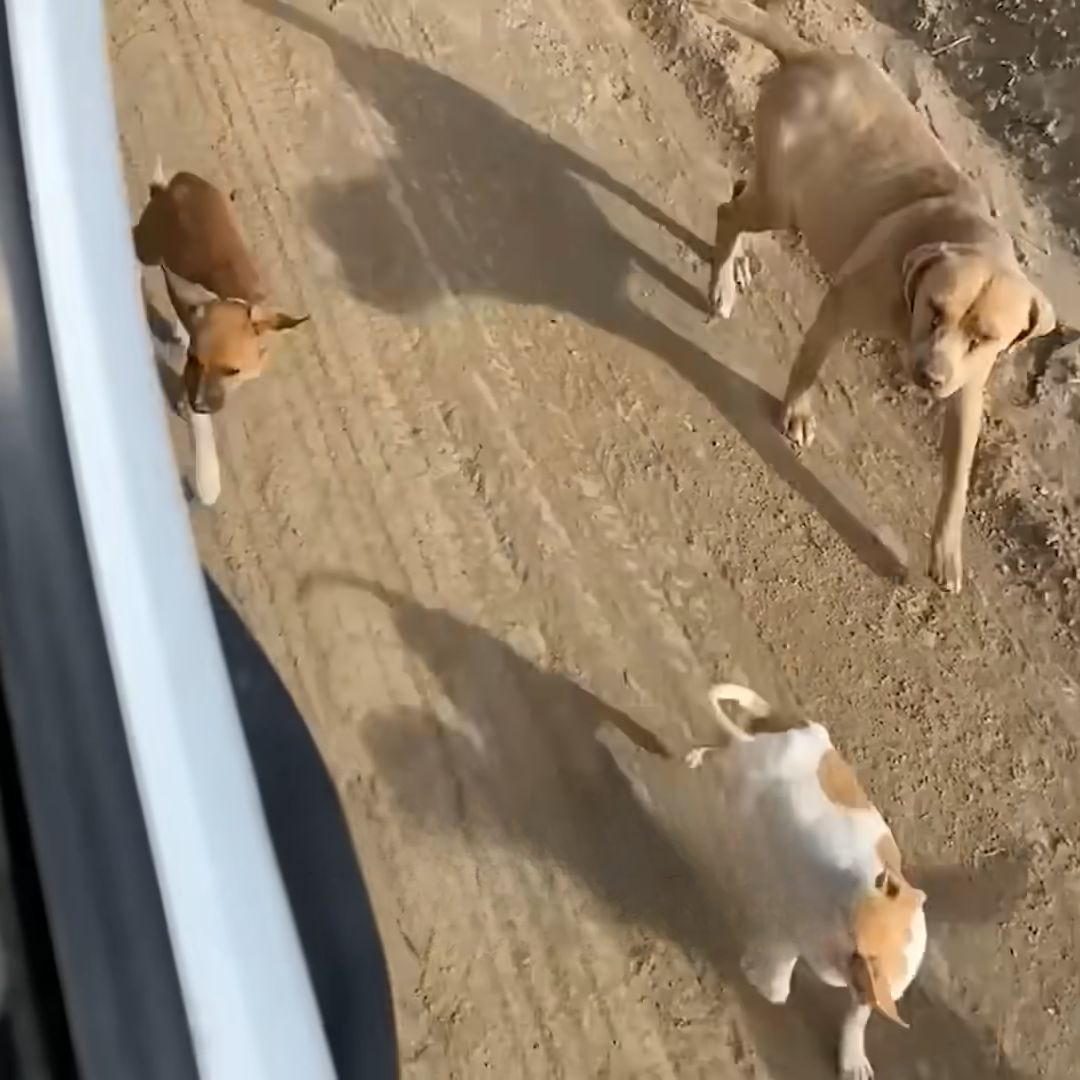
(1041, 319)
(265, 320)
(187, 297)
(872, 987)
(916, 263)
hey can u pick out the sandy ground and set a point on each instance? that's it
(508, 505)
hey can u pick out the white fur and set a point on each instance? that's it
(207, 467)
(747, 699)
(800, 860)
(854, 1064)
(743, 696)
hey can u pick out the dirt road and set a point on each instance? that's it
(505, 508)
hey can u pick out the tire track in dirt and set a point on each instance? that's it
(500, 499)
(551, 1061)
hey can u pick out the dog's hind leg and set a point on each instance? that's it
(768, 966)
(749, 210)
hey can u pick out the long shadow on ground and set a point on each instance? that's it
(504, 211)
(536, 747)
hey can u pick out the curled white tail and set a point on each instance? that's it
(743, 696)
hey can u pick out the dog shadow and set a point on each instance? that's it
(973, 895)
(505, 211)
(310, 837)
(532, 740)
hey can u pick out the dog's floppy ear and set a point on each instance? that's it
(916, 263)
(1041, 320)
(187, 297)
(872, 987)
(265, 320)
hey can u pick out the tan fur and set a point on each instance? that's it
(187, 228)
(839, 782)
(909, 242)
(882, 921)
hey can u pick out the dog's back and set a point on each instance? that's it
(188, 225)
(871, 131)
(833, 130)
(808, 845)
(802, 854)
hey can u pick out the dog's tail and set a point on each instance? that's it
(744, 697)
(158, 181)
(748, 19)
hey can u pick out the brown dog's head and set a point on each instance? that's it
(225, 349)
(966, 309)
(890, 940)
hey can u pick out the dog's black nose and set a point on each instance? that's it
(929, 380)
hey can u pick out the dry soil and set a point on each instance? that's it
(507, 505)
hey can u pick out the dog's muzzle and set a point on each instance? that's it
(205, 394)
(927, 372)
(929, 379)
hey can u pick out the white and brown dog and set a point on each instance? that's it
(910, 245)
(820, 865)
(187, 228)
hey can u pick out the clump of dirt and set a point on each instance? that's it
(1016, 65)
(705, 63)
(1035, 524)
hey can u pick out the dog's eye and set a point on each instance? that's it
(228, 371)
(884, 883)
(937, 314)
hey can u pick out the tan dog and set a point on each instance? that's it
(909, 243)
(187, 228)
(819, 866)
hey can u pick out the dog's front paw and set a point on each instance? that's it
(728, 279)
(696, 757)
(180, 336)
(798, 422)
(859, 1070)
(946, 560)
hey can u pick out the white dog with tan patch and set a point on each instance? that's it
(821, 866)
